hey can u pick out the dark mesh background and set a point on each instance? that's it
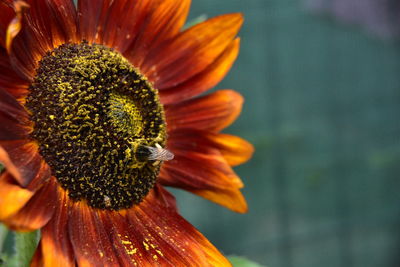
(322, 109)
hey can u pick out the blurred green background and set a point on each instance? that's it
(322, 108)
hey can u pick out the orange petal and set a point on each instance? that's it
(200, 166)
(234, 149)
(37, 211)
(55, 249)
(213, 112)
(191, 51)
(163, 23)
(205, 80)
(12, 196)
(14, 26)
(229, 198)
(7, 14)
(205, 185)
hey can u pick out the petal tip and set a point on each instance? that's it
(237, 17)
(235, 97)
(250, 149)
(16, 23)
(242, 209)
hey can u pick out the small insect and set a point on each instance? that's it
(107, 201)
(156, 153)
(159, 153)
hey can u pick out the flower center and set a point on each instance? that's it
(99, 124)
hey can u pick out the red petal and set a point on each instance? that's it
(37, 211)
(92, 16)
(132, 27)
(12, 128)
(127, 240)
(11, 107)
(149, 234)
(213, 112)
(169, 237)
(12, 196)
(37, 259)
(9, 79)
(114, 23)
(9, 165)
(89, 237)
(57, 19)
(191, 52)
(45, 25)
(205, 80)
(164, 22)
(153, 234)
(193, 170)
(55, 249)
(123, 23)
(25, 157)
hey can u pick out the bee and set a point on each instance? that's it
(149, 153)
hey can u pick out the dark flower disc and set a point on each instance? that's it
(97, 120)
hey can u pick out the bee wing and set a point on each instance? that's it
(159, 153)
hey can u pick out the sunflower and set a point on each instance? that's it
(100, 108)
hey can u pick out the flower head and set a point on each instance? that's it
(99, 110)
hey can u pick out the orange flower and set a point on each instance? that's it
(95, 101)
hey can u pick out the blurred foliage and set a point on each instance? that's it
(18, 247)
(243, 262)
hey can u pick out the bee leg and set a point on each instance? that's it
(156, 163)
